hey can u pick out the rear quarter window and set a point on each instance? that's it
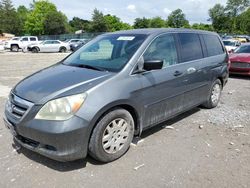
(190, 47)
(213, 45)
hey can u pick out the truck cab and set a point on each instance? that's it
(20, 43)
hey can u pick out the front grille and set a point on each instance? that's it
(16, 108)
(240, 65)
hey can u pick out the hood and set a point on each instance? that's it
(241, 57)
(58, 80)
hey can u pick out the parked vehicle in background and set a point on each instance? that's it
(240, 60)
(114, 87)
(77, 45)
(49, 46)
(231, 45)
(242, 38)
(1, 47)
(72, 41)
(18, 43)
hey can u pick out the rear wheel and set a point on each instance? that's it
(214, 95)
(34, 50)
(112, 136)
(62, 49)
(14, 48)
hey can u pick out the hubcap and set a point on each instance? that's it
(216, 93)
(115, 135)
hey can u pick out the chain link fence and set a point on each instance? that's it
(64, 37)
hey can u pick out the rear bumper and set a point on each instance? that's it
(58, 140)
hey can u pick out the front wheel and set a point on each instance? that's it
(214, 95)
(14, 48)
(112, 136)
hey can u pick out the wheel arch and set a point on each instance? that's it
(130, 108)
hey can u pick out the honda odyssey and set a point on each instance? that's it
(117, 85)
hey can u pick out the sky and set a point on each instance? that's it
(196, 11)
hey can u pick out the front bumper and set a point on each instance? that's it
(58, 140)
(240, 71)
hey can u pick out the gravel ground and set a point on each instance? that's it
(200, 148)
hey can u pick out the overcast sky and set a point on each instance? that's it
(196, 10)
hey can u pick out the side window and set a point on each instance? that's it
(48, 42)
(213, 44)
(25, 39)
(162, 48)
(55, 42)
(190, 47)
(32, 39)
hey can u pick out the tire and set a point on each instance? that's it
(14, 48)
(62, 49)
(109, 141)
(214, 95)
(34, 50)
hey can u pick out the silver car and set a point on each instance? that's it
(49, 46)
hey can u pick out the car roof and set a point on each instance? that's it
(161, 30)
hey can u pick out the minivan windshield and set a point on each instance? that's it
(108, 52)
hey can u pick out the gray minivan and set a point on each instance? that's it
(97, 99)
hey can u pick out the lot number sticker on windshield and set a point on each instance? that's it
(126, 38)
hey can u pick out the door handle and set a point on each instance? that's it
(191, 70)
(177, 73)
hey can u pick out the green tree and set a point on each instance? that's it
(36, 18)
(177, 19)
(220, 20)
(8, 17)
(202, 26)
(157, 22)
(243, 22)
(22, 13)
(234, 8)
(55, 23)
(141, 23)
(98, 22)
(79, 24)
(115, 24)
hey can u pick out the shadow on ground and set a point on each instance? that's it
(240, 77)
(79, 164)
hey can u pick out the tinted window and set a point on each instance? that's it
(25, 39)
(213, 45)
(190, 47)
(48, 42)
(32, 39)
(56, 42)
(162, 48)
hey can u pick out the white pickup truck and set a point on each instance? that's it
(17, 43)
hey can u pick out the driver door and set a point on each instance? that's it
(162, 92)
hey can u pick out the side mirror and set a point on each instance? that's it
(152, 65)
(148, 65)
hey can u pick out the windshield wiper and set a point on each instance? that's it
(89, 67)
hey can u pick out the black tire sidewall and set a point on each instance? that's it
(62, 49)
(96, 149)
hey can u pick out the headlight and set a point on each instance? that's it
(62, 108)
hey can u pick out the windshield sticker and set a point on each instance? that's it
(126, 38)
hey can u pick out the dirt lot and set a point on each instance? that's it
(203, 148)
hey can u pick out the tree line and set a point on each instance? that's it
(43, 18)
